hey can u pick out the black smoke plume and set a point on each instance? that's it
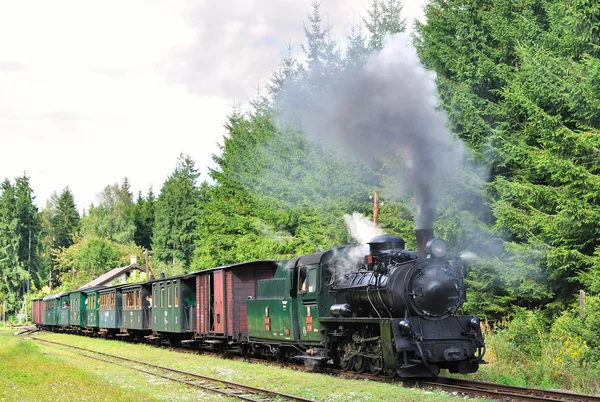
(384, 113)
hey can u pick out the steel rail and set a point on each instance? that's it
(465, 386)
(228, 388)
(501, 390)
(469, 387)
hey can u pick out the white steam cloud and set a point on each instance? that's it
(362, 230)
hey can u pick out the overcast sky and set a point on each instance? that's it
(92, 92)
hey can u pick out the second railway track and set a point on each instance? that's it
(211, 384)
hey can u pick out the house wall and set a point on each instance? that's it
(119, 280)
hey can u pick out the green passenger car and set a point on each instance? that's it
(80, 302)
(64, 308)
(136, 306)
(109, 314)
(173, 302)
(92, 308)
(78, 307)
(51, 309)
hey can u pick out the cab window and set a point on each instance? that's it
(302, 282)
(307, 279)
(312, 280)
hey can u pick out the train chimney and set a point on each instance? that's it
(423, 236)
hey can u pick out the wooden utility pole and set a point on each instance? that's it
(148, 267)
(581, 304)
(376, 209)
(29, 264)
(25, 308)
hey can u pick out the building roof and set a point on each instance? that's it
(111, 275)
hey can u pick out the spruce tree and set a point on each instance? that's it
(65, 220)
(176, 213)
(384, 17)
(356, 50)
(323, 55)
(285, 74)
(12, 273)
(31, 253)
(519, 80)
(144, 219)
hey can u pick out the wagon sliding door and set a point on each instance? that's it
(219, 308)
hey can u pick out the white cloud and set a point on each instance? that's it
(92, 92)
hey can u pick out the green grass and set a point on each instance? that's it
(30, 372)
(309, 385)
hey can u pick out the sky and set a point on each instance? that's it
(92, 92)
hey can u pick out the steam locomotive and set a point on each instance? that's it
(390, 313)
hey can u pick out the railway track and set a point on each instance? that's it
(502, 392)
(460, 386)
(215, 385)
(451, 385)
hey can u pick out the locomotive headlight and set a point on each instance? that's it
(437, 248)
(405, 326)
(475, 321)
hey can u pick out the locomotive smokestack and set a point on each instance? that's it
(423, 236)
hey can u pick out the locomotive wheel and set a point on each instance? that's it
(376, 365)
(389, 372)
(361, 364)
(348, 364)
